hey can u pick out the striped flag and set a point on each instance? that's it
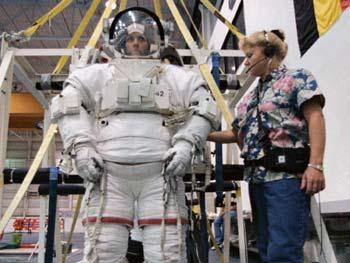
(303, 21)
(314, 18)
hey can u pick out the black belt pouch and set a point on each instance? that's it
(291, 160)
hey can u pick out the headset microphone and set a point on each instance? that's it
(256, 63)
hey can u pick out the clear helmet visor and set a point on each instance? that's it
(136, 32)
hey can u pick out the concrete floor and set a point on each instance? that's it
(74, 257)
(78, 244)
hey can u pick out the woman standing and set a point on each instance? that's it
(280, 128)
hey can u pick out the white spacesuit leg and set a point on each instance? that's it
(111, 244)
(150, 199)
(152, 247)
(151, 213)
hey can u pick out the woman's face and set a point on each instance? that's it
(256, 61)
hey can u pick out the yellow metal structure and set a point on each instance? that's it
(42, 20)
(97, 32)
(212, 238)
(63, 60)
(201, 38)
(50, 134)
(216, 13)
(157, 8)
(203, 67)
(74, 222)
(200, 57)
(52, 130)
(123, 4)
(6, 76)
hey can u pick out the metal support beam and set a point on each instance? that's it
(22, 76)
(220, 29)
(242, 235)
(207, 23)
(42, 229)
(49, 157)
(26, 66)
(327, 254)
(79, 31)
(203, 226)
(227, 228)
(43, 52)
(58, 243)
(201, 60)
(232, 103)
(245, 81)
(232, 157)
(75, 217)
(47, 17)
(50, 240)
(29, 177)
(157, 9)
(49, 52)
(222, 53)
(6, 74)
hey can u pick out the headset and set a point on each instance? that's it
(269, 50)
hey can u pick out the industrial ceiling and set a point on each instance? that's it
(17, 15)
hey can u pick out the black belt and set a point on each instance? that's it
(294, 166)
(254, 163)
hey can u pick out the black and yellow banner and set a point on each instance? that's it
(314, 18)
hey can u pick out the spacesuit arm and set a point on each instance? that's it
(74, 122)
(202, 122)
(190, 138)
(191, 94)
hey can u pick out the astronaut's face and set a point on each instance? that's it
(136, 33)
(136, 44)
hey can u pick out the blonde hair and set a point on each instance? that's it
(273, 38)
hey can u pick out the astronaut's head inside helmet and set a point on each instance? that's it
(136, 32)
(136, 41)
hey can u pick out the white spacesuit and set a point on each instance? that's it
(122, 122)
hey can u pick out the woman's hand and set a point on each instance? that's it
(313, 181)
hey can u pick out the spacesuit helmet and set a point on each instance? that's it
(136, 32)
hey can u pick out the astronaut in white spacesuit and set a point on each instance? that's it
(130, 125)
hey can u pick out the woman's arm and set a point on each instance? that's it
(313, 179)
(228, 136)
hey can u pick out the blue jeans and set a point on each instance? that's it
(281, 212)
(219, 226)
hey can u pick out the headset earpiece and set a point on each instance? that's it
(269, 50)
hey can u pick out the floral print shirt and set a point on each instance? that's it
(280, 98)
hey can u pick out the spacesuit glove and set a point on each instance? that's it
(178, 158)
(88, 162)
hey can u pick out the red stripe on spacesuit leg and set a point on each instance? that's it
(158, 221)
(109, 219)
